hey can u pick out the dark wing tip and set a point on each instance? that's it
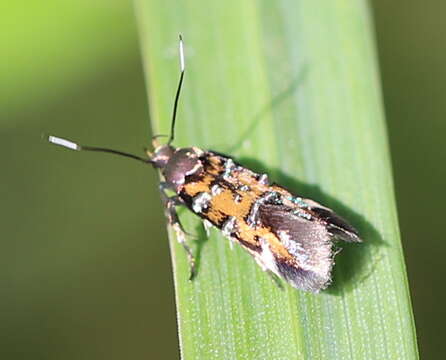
(337, 226)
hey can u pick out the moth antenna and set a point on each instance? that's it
(177, 95)
(76, 147)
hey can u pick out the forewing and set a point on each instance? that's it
(307, 241)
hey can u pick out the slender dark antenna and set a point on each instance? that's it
(177, 96)
(76, 147)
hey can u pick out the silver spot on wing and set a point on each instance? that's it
(229, 167)
(229, 226)
(201, 201)
(216, 189)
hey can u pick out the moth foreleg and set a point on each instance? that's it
(173, 220)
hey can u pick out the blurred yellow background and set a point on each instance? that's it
(85, 267)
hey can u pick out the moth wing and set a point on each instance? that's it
(336, 225)
(309, 244)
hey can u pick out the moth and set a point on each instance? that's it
(289, 236)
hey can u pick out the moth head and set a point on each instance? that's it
(180, 163)
(161, 156)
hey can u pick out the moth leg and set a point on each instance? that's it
(207, 227)
(172, 218)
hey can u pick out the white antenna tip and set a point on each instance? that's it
(63, 142)
(181, 54)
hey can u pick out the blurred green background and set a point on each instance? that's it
(85, 267)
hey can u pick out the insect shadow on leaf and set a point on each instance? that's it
(277, 101)
(353, 264)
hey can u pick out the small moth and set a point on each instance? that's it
(287, 235)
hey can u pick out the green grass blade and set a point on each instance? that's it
(290, 87)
